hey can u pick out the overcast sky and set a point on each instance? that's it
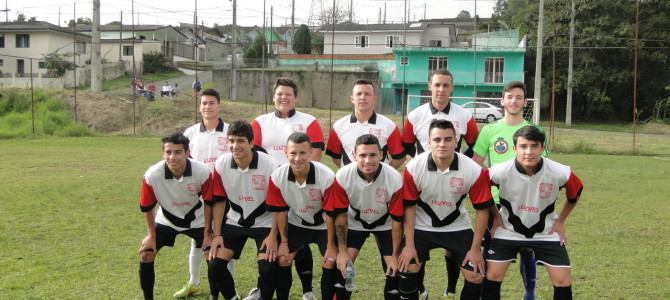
(249, 12)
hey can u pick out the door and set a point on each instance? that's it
(19, 66)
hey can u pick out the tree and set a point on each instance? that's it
(326, 16)
(302, 41)
(253, 55)
(317, 43)
(464, 14)
(154, 62)
(21, 18)
(82, 21)
(56, 64)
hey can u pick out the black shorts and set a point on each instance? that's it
(356, 239)
(234, 238)
(550, 254)
(299, 237)
(457, 242)
(165, 235)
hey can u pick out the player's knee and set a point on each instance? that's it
(473, 277)
(494, 274)
(328, 263)
(284, 261)
(408, 282)
(562, 280)
(147, 255)
(267, 269)
(217, 264)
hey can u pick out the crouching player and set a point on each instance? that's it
(529, 188)
(435, 185)
(295, 196)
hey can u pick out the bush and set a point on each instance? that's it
(155, 62)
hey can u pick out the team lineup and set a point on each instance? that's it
(223, 183)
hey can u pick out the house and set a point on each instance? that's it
(480, 71)
(277, 44)
(22, 41)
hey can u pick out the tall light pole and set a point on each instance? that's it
(568, 101)
(538, 65)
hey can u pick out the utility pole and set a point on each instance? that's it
(195, 55)
(6, 10)
(384, 12)
(59, 16)
(351, 11)
(637, 46)
(379, 19)
(74, 56)
(132, 19)
(424, 10)
(233, 72)
(121, 37)
(263, 35)
(568, 102)
(96, 62)
(290, 46)
(538, 65)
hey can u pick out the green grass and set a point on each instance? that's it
(124, 81)
(71, 227)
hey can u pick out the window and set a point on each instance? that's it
(436, 63)
(362, 41)
(80, 48)
(435, 43)
(22, 41)
(127, 50)
(392, 41)
(2, 62)
(2, 41)
(40, 64)
(493, 70)
(404, 60)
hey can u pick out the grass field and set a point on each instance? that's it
(71, 227)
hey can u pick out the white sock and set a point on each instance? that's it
(194, 261)
(231, 266)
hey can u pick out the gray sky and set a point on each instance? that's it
(249, 12)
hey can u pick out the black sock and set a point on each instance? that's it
(340, 291)
(267, 272)
(284, 281)
(563, 293)
(213, 289)
(391, 291)
(421, 276)
(491, 290)
(224, 282)
(453, 271)
(147, 278)
(471, 291)
(327, 283)
(304, 264)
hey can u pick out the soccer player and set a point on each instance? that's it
(415, 140)
(270, 133)
(494, 142)
(175, 184)
(435, 184)
(295, 196)
(208, 141)
(364, 120)
(529, 187)
(363, 197)
(240, 180)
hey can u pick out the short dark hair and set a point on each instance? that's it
(441, 124)
(363, 81)
(531, 133)
(367, 139)
(286, 82)
(298, 138)
(176, 138)
(515, 85)
(444, 72)
(213, 93)
(241, 128)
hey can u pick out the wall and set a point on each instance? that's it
(109, 71)
(345, 41)
(313, 87)
(38, 82)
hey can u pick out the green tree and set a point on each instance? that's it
(154, 62)
(302, 41)
(253, 55)
(317, 43)
(56, 64)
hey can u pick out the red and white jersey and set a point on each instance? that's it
(528, 203)
(304, 200)
(271, 132)
(345, 131)
(418, 121)
(207, 146)
(178, 198)
(439, 195)
(368, 204)
(245, 189)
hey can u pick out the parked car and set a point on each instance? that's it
(484, 111)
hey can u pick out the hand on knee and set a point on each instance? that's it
(147, 255)
(473, 277)
(284, 261)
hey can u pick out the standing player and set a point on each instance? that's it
(240, 180)
(208, 142)
(295, 196)
(175, 184)
(270, 133)
(529, 188)
(435, 184)
(494, 143)
(415, 140)
(363, 197)
(364, 120)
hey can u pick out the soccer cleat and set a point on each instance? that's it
(449, 295)
(308, 296)
(254, 294)
(528, 296)
(423, 295)
(187, 290)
